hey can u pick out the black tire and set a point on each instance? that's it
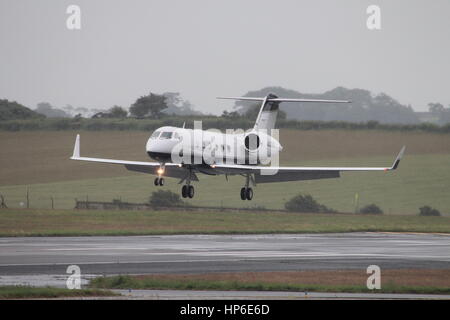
(156, 182)
(243, 194)
(184, 191)
(161, 181)
(191, 191)
(249, 194)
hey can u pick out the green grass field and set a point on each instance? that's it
(45, 222)
(38, 161)
(420, 180)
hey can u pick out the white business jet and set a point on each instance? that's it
(184, 153)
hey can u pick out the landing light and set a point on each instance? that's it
(160, 171)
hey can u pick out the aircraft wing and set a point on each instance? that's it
(262, 174)
(265, 174)
(170, 169)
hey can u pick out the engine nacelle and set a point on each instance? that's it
(252, 141)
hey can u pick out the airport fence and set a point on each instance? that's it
(119, 205)
(29, 201)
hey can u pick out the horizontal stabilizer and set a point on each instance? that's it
(284, 100)
(268, 111)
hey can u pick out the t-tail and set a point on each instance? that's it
(270, 104)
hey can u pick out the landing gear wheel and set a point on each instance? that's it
(243, 194)
(190, 191)
(156, 182)
(249, 194)
(184, 193)
(161, 181)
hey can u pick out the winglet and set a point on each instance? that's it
(397, 160)
(76, 148)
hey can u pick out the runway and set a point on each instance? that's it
(44, 260)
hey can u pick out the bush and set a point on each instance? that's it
(306, 204)
(165, 198)
(428, 211)
(371, 209)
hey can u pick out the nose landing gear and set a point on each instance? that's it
(159, 181)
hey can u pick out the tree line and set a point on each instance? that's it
(208, 122)
(366, 111)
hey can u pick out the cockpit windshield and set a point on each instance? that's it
(166, 135)
(155, 135)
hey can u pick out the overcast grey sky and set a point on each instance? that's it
(206, 48)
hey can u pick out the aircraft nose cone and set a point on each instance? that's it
(149, 145)
(158, 146)
(160, 150)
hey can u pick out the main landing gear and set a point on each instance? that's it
(187, 191)
(247, 191)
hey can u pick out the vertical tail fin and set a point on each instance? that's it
(268, 112)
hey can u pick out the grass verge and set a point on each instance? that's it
(47, 222)
(26, 292)
(346, 281)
